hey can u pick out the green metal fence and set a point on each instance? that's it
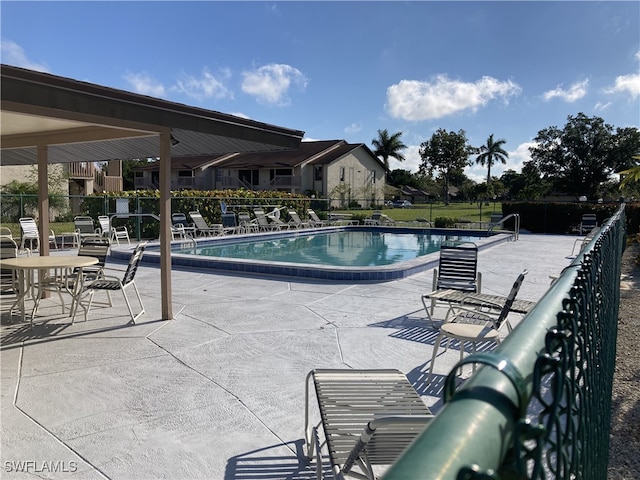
(540, 405)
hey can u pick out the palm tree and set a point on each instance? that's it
(492, 153)
(631, 175)
(386, 146)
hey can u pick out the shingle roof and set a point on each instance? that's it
(320, 152)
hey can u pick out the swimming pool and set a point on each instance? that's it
(349, 253)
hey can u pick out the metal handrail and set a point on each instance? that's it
(516, 228)
(483, 421)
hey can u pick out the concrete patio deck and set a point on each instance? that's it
(217, 393)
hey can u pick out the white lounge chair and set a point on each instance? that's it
(314, 220)
(201, 226)
(368, 418)
(296, 221)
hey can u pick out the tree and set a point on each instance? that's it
(447, 153)
(631, 175)
(128, 167)
(386, 146)
(400, 177)
(492, 153)
(583, 155)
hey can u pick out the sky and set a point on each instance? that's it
(344, 70)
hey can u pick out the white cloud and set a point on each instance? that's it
(13, 54)
(599, 106)
(629, 84)
(353, 128)
(271, 83)
(241, 115)
(415, 100)
(411, 162)
(207, 86)
(574, 93)
(144, 84)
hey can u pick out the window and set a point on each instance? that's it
(318, 173)
(185, 173)
(250, 177)
(342, 174)
(373, 176)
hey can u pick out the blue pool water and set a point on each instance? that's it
(342, 248)
(349, 253)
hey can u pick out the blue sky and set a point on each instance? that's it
(343, 70)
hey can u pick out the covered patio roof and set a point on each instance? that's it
(46, 119)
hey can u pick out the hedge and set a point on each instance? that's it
(560, 218)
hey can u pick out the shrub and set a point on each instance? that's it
(444, 222)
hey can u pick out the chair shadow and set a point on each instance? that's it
(260, 465)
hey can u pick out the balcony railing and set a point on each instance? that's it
(81, 170)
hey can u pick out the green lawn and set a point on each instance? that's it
(457, 211)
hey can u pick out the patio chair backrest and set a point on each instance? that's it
(588, 223)
(84, 225)
(510, 299)
(95, 247)
(6, 232)
(8, 249)
(105, 225)
(29, 228)
(458, 267)
(98, 248)
(314, 216)
(179, 219)
(134, 262)
(198, 221)
(295, 217)
(244, 218)
(229, 220)
(263, 221)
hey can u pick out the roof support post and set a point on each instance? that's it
(165, 225)
(43, 201)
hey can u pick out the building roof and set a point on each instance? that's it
(80, 121)
(321, 152)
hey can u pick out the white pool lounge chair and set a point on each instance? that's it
(296, 221)
(368, 418)
(202, 228)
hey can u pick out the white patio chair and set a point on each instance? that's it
(476, 323)
(29, 232)
(114, 234)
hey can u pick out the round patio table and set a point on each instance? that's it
(65, 263)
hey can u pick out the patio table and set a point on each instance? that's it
(477, 299)
(26, 284)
